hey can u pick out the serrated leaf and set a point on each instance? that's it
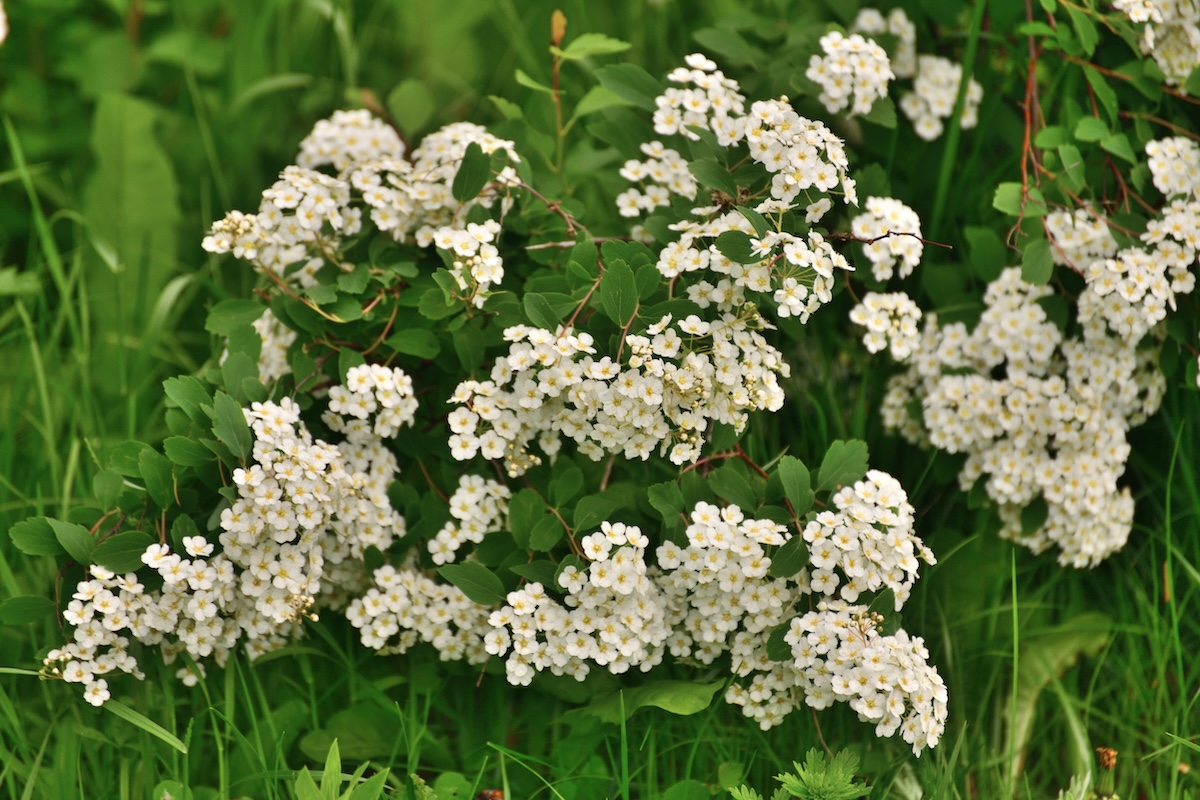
(796, 483)
(229, 425)
(190, 395)
(472, 175)
(735, 245)
(238, 367)
(124, 458)
(631, 83)
(25, 609)
(1091, 129)
(711, 173)
(618, 292)
(845, 462)
(75, 540)
(591, 44)
(35, 537)
(1037, 265)
(475, 581)
(122, 552)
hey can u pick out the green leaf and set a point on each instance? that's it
(191, 396)
(125, 458)
(735, 245)
(711, 173)
(678, 697)
(688, 789)
(1091, 129)
(1085, 29)
(539, 311)
(777, 648)
(228, 316)
(472, 175)
(729, 44)
(986, 251)
(434, 306)
(1036, 263)
(618, 292)
(411, 105)
(107, 487)
(476, 582)
(882, 113)
(667, 499)
(796, 483)
(545, 534)
(761, 226)
(1192, 84)
(525, 510)
(74, 539)
(790, 558)
(590, 44)
(1104, 93)
(542, 572)
(845, 462)
(507, 108)
(566, 484)
(35, 537)
(1034, 515)
(25, 609)
(1118, 145)
(229, 425)
(1050, 136)
(632, 83)
(730, 485)
(126, 713)
(331, 776)
(1008, 200)
(1072, 174)
(418, 342)
(594, 509)
(597, 98)
(236, 369)
(529, 83)
(122, 552)
(156, 472)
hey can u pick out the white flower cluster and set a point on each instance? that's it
(677, 378)
(891, 235)
(853, 68)
(1132, 291)
(886, 679)
(479, 506)
(934, 91)
(612, 614)
(707, 100)
(405, 606)
(1171, 35)
(891, 320)
(1037, 414)
(371, 390)
(276, 339)
(1078, 238)
(304, 217)
(869, 539)
(662, 174)
(897, 24)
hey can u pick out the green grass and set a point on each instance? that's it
(75, 378)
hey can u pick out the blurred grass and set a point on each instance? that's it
(229, 89)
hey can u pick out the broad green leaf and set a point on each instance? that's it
(1091, 129)
(777, 648)
(524, 80)
(882, 113)
(730, 45)
(590, 44)
(986, 251)
(594, 509)
(229, 425)
(796, 483)
(618, 292)
(476, 581)
(678, 697)
(24, 609)
(1008, 200)
(228, 316)
(472, 175)
(331, 776)
(508, 108)
(411, 105)
(236, 369)
(1072, 174)
(790, 558)
(1085, 29)
(35, 537)
(418, 342)
(688, 789)
(191, 396)
(1192, 84)
(1118, 145)
(538, 309)
(735, 245)
(597, 98)
(732, 486)
(631, 83)
(566, 484)
(75, 539)
(542, 572)
(546, 533)
(1104, 93)
(1034, 515)
(125, 458)
(122, 552)
(761, 226)
(711, 173)
(845, 462)
(156, 472)
(107, 487)
(1036, 263)
(667, 499)
(453, 786)
(13, 282)
(1051, 136)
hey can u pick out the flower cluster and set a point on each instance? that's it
(1078, 238)
(934, 91)
(371, 390)
(676, 379)
(853, 68)
(886, 679)
(897, 24)
(1171, 35)
(707, 100)
(479, 506)
(891, 320)
(611, 616)
(405, 606)
(1037, 414)
(891, 234)
(869, 539)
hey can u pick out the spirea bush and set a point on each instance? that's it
(470, 412)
